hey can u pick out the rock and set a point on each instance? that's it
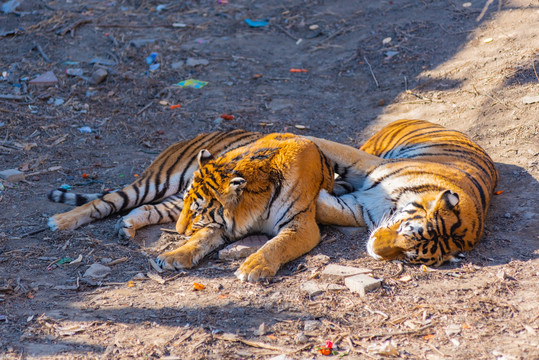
(340, 271)
(243, 248)
(362, 284)
(44, 80)
(138, 43)
(452, 329)
(12, 175)
(530, 99)
(177, 65)
(301, 338)
(281, 357)
(97, 271)
(196, 62)
(98, 76)
(311, 325)
(312, 288)
(262, 330)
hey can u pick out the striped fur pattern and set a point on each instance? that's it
(156, 196)
(423, 191)
(269, 186)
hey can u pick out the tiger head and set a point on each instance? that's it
(426, 231)
(211, 198)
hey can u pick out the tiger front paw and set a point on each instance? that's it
(256, 268)
(125, 231)
(176, 259)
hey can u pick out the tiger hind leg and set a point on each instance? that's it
(163, 212)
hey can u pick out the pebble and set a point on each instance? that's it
(196, 62)
(340, 271)
(507, 215)
(243, 248)
(530, 99)
(98, 76)
(311, 325)
(44, 80)
(12, 175)
(301, 338)
(311, 287)
(362, 283)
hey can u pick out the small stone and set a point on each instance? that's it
(301, 338)
(44, 80)
(313, 27)
(452, 329)
(507, 215)
(386, 41)
(501, 274)
(311, 325)
(312, 288)
(340, 271)
(281, 357)
(12, 175)
(530, 99)
(138, 43)
(243, 248)
(177, 65)
(362, 284)
(97, 271)
(196, 62)
(262, 330)
(98, 76)
(381, 102)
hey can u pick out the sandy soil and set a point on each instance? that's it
(441, 64)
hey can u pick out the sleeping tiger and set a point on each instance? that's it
(269, 186)
(422, 190)
(424, 197)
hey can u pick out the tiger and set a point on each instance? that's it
(270, 186)
(422, 191)
(156, 196)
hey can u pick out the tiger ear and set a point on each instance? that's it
(448, 199)
(203, 157)
(236, 186)
(230, 197)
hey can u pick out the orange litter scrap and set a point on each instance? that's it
(499, 192)
(198, 286)
(174, 106)
(298, 70)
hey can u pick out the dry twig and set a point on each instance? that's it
(372, 73)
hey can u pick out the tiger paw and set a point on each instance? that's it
(62, 222)
(256, 268)
(125, 231)
(176, 259)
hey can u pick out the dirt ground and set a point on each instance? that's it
(445, 61)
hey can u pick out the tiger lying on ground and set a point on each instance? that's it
(422, 190)
(424, 200)
(270, 186)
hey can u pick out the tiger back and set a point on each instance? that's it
(269, 186)
(424, 194)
